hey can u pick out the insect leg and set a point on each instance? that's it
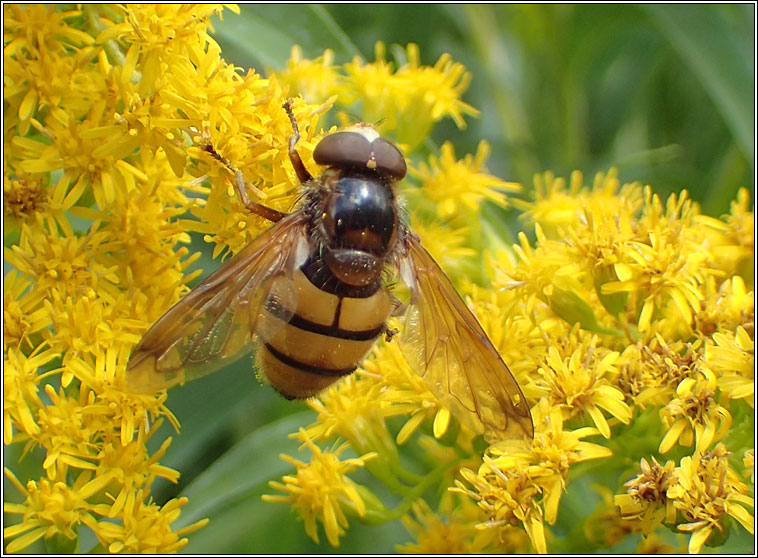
(389, 333)
(302, 173)
(239, 183)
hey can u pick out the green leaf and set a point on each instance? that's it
(263, 35)
(206, 410)
(252, 526)
(245, 468)
(573, 309)
(614, 302)
(59, 544)
(705, 42)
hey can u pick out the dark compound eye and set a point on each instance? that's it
(351, 149)
(388, 158)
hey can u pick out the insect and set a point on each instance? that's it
(311, 294)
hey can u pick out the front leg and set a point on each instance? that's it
(239, 183)
(302, 173)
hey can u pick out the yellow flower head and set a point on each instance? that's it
(23, 197)
(577, 383)
(456, 188)
(508, 498)
(559, 206)
(694, 414)
(732, 358)
(410, 99)
(21, 392)
(733, 239)
(458, 528)
(147, 528)
(645, 504)
(51, 508)
(508, 483)
(315, 80)
(321, 490)
(707, 490)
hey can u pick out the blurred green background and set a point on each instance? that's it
(666, 93)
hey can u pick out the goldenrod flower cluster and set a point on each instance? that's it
(108, 111)
(626, 319)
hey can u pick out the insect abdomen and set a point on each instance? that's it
(307, 348)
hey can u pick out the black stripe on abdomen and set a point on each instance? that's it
(308, 368)
(299, 322)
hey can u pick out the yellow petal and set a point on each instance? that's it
(536, 532)
(672, 435)
(599, 420)
(697, 539)
(643, 324)
(441, 422)
(742, 515)
(22, 542)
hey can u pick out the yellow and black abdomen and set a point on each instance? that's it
(327, 333)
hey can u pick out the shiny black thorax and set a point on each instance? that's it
(353, 221)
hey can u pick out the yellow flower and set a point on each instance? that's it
(509, 481)
(23, 197)
(555, 207)
(653, 369)
(65, 264)
(38, 66)
(51, 508)
(316, 80)
(508, 498)
(404, 393)
(457, 188)
(351, 410)
(707, 489)
(665, 264)
(733, 359)
(410, 99)
(146, 528)
(733, 239)
(727, 305)
(694, 413)
(23, 312)
(321, 491)
(454, 529)
(21, 394)
(545, 273)
(645, 504)
(577, 384)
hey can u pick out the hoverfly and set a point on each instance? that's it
(311, 294)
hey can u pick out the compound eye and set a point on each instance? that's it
(388, 158)
(343, 149)
(351, 149)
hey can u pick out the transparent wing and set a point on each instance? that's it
(445, 344)
(214, 323)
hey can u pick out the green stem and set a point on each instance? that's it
(376, 518)
(111, 47)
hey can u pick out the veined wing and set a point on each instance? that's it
(445, 344)
(214, 323)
